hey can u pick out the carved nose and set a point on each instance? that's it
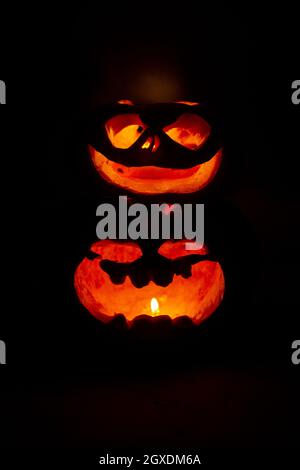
(152, 143)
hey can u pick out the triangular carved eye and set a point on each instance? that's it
(124, 130)
(116, 251)
(173, 249)
(189, 130)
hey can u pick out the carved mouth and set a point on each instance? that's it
(161, 271)
(159, 180)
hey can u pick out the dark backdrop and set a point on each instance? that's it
(228, 383)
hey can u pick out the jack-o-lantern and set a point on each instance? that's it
(157, 148)
(127, 278)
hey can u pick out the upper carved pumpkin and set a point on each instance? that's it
(155, 148)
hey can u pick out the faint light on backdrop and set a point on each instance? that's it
(157, 87)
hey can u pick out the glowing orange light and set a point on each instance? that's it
(123, 130)
(154, 305)
(156, 180)
(188, 103)
(126, 102)
(146, 144)
(189, 130)
(196, 296)
(151, 140)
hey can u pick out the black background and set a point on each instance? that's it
(72, 382)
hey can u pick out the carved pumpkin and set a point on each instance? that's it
(125, 278)
(157, 148)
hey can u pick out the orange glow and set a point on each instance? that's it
(154, 306)
(189, 130)
(188, 103)
(197, 296)
(117, 251)
(156, 180)
(158, 84)
(154, 141)
(123, 130)
(173, 249)
(146, 144)
(126, 102)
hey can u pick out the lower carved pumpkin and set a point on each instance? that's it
(109, 284)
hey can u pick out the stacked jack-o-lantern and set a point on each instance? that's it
(152, 151)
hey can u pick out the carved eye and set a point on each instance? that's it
(119, 252)
(124, 130)
(173, 249)
(189, 130)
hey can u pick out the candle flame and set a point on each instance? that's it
(154, 305)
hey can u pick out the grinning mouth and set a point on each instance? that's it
(153, 172)
(161, 272)
(159, 180)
